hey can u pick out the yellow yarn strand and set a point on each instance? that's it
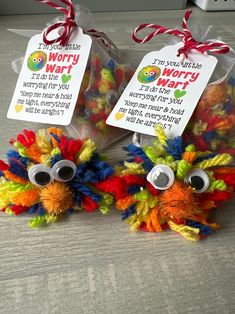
(43, 142)
(183, 168)
(160, 134)
(39, 220)
(5, 194)
(86, 151)
(130, 168)
(189, 233)
(135, 221)
(21, 149)
(190, 148)
(219, 160)
(152, 153)
(105, 203)
(217, 185)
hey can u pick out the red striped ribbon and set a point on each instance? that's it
(67, 25)
(189, 42)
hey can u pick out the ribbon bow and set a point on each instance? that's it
(67, 24)
(189, 42)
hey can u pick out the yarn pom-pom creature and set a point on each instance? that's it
(171, 185)
(50, 175)
(212, 124)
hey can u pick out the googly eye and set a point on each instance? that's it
(122, 88)
(161, 177)
(112, 97)
(40, 175)
(198, 179)
(152, 73)
(39, 59)
(146, 73)
(34, 60)
(64, 170)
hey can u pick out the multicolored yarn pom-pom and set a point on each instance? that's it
(171, 185)
(49, 175)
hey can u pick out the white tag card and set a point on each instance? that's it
(50, 79)
(164, 90)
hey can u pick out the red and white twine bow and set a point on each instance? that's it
(67, 25)
(189, 42)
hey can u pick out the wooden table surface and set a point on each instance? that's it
(93, 263)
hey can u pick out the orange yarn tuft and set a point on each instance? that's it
(11, 176)
(56, 198)
(152, 222)
(34, 153)
(125, 202)
(57, 132)
(26, 198)
(179, 202)
(189, 156)
(225, 124)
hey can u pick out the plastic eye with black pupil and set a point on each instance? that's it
(64, 170)
(161, 177)
(40, 175)
(198, 179)
(112, 97)
(122, 88)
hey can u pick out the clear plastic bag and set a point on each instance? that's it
(212, 125)
(104, 80)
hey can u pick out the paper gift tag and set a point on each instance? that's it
(50, 79)
(164, 90)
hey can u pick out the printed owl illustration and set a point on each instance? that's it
(148, 74)
(171, 185)
(50, 175)
(36, 61)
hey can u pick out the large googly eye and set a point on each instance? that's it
(39, 59)
(40, 175)
(146, 73)
(112, 97)
(64, 170)
(198, 179)
(152, 73)
(161, 177)
(34, 59)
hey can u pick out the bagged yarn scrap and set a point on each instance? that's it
(49, 175)
(212, 126)
(172, 185)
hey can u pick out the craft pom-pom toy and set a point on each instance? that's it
(171, 185)
(49, 175)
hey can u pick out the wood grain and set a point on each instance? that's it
(92, 263)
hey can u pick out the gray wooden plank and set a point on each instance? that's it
(92, 263)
